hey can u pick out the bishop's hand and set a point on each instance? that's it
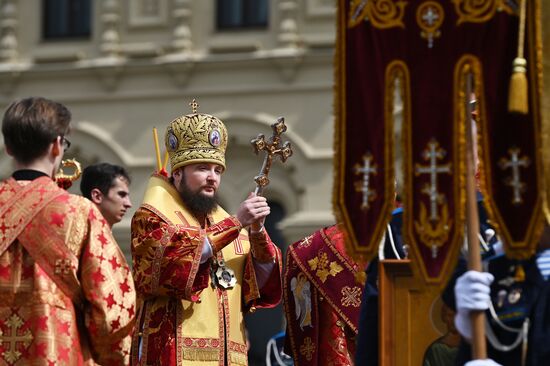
(253, 211)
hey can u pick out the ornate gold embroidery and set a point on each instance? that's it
(351, 296)
(323, 268)
(429, 16)
(11, 340)
(382, 14)
(479, 11)
(363, 185)
(308, 348)
(433, 229)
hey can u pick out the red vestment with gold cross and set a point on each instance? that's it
(66, 292)
(322, 297)
(182, 318)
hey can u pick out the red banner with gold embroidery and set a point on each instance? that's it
(427, 51)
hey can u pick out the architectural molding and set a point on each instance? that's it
(110, 143)
(241, 124)
(10, 75)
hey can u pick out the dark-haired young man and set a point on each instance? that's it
(67, 292)
(107, 186)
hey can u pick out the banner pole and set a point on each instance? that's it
(479, 346)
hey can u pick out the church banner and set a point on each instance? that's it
(434, 53)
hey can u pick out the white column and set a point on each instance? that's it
(110, 37)
(288, 28)
(182, 42)
(8, 27)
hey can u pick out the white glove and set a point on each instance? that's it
(472, 292)
(487, 362)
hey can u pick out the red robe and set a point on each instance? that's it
(182, 319)
(322, 289)
(66, 293)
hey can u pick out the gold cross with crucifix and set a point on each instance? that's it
(272, 148)
(515, 162)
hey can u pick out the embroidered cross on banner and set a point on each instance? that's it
(363, 186)
(433, 153)
(515, 162)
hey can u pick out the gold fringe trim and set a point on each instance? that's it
(197, 354)
(238, 359)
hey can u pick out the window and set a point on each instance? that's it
(238, 14)
(66, 19)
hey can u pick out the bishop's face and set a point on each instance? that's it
(197, 185)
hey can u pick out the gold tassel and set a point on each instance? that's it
(518, 96)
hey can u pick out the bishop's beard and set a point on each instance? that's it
(196, 202)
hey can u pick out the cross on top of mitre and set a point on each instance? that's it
(194, 106)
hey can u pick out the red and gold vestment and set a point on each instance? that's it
(182, 318)
(66, 293)
(322, 297)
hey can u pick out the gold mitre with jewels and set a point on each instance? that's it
(196, 138)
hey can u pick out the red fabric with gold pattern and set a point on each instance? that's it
(164, 257)
(39, 323)
(263, 250)
(322, 300)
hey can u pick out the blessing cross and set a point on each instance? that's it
(364, 185)
(433, 153)
(272, 148)
(515, 181)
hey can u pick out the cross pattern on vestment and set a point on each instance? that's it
(307, 348)
(3, 229)
(432, 154)
(363, 185)
(351, 296)
(62, 266)
(11, 340)
(238, 245)
(272, 147)
(306, 242)
(515, 162)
